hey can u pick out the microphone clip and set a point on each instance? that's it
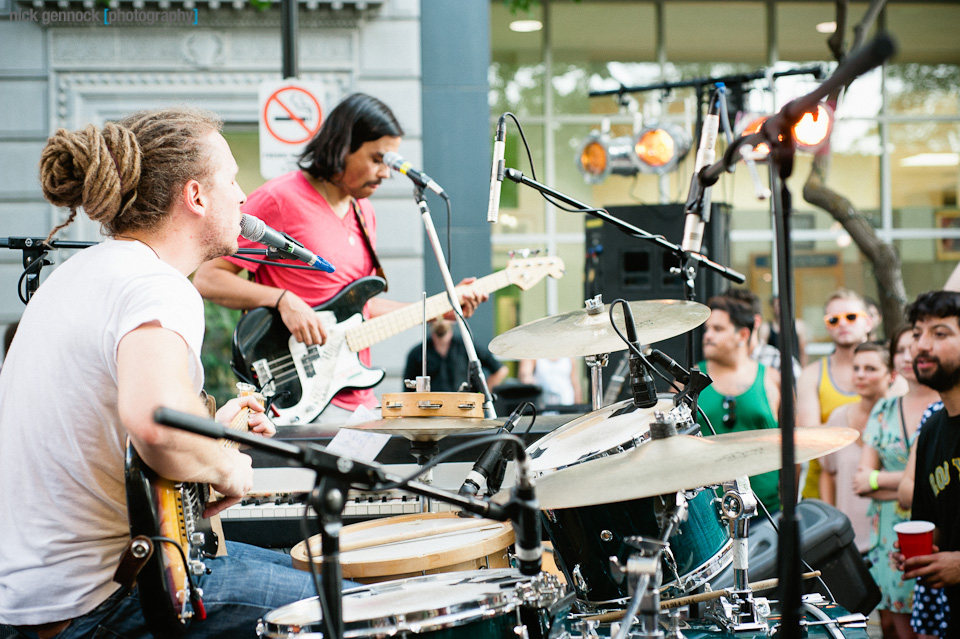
(274, 253)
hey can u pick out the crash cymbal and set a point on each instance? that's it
(578, 334)
(427, 429)
(681, 462)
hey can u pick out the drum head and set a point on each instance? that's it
(417, 605)
(594, 434)
(406, 544)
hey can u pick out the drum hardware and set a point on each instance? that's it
(335, 473)
(739, 611)
(596, 363)
(832, 625)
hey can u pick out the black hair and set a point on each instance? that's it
(740, 312)
(359, 119)
(746, 296)
(934, 304)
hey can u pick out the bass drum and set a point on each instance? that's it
(478, 604)
(585, 538)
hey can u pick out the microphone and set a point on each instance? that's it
(256, 230)
(679, 373)
(421, 179)
(496, 171)
(526, 524)
(693, 227)
(641, 381)
(491, 457)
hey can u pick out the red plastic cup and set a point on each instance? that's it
(916, 538)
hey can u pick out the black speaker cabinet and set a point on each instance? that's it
(619, 265)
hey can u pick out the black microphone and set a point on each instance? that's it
(693, 226)
(421, 179)
(641, 381)
(497, 169)
(526, 524)
(256, 230)
(488, 461)
(679, 373)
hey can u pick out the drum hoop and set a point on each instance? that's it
(498, 538)
(487, 605)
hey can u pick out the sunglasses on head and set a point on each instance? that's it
(834, 320)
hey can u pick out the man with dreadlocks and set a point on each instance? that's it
(111, 335)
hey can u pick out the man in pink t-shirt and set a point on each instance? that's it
(323, 205)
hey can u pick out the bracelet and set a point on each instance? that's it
(277, 305)
(875, 480)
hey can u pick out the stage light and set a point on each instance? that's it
(810, 133)
(600, 155)
(813, 129)
(660, 148)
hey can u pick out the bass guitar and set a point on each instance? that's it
(171, 514)
(305, 378)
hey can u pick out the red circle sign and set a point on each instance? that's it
(289, 115)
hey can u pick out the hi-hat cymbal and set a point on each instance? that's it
(427, 429)
(578, 334)
(681, 462)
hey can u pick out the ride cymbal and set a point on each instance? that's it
(579, 333)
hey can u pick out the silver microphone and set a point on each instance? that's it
(496, 172)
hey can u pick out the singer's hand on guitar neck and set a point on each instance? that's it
(300, 319)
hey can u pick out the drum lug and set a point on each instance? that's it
(606, 535)
(579, 582)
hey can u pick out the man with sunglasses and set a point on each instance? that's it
(744, 395)
(827, 384)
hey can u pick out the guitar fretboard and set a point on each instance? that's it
(380, 328)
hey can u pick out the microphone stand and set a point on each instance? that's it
(35, 250)
(334, 473)
(475, 377)
(777, 133)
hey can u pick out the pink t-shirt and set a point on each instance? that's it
(290, 204)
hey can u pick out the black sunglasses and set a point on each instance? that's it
(729, 411)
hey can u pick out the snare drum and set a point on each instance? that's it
(413, 545)
(478, 604)
(585, 538)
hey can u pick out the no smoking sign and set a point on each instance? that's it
(290, 115)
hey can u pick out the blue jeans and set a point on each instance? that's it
(241, 587)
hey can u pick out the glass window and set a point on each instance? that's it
(923, 165)
(702, 31)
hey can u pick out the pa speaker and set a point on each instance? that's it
(619, 265)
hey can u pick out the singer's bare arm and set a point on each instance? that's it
(220, 282)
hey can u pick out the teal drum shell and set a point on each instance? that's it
(477, 604)
(585, 538)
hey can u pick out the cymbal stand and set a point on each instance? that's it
(596, 362)
(740, 612)
(475, 375)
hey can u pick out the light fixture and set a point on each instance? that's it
(660, 148)
(526, 26)
(600, 155)
(826, 27)
(656, 149)
(810, 133)
(931, 159)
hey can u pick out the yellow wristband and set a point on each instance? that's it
(875, 480)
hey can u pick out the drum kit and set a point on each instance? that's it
(641, 513)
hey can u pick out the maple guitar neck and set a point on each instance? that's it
(393, 323)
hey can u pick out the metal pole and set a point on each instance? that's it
(288, 37)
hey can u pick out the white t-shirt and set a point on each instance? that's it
(63, 509)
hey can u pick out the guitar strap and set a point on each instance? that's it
(366, 240)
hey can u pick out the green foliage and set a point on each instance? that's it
(215, 355)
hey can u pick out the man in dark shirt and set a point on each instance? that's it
(447, 360)
(935, 317)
